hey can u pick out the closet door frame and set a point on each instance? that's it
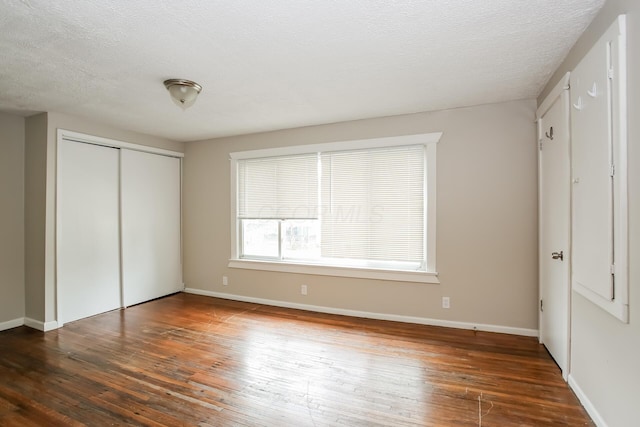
(63, 134)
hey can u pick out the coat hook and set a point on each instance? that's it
(550, 133)
(578, 106)
(594, 91)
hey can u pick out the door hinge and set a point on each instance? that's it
(613, 170)
(610, 73)
(541, 306)
(612, 269)
(613, 287)
(540, 145)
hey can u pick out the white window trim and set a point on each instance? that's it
(429, 140)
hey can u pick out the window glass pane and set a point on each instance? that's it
(301, 239)
(259, 238)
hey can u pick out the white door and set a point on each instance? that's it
(88, 245)
(555, 217)
(151, 244)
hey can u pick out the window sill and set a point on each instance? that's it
(323, 270)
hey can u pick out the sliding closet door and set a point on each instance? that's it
(88, 246)
(150, 192)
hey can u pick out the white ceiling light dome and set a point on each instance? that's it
(183, 92)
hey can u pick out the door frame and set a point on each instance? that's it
(64, 134)
(561, 92)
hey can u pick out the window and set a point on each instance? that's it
(357, 208)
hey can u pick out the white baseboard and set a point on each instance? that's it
(41, 326)
(370, 315)
(10, 324)
(586, 403)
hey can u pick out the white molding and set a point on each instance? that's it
(616, 308)
(10, 324)
(586, 403)
(324, 270)
(370, 315)
(98, 140)
(391, 141)
(41, 326)
(50, 326)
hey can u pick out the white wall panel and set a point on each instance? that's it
(151, 251)
(88, 246)
(592, 160)
(599, 162)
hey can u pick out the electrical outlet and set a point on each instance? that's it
(446, 302)
(303, 289)
(225, 281)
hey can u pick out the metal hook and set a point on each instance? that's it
(549, 134)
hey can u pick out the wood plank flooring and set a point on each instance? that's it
(198, 361)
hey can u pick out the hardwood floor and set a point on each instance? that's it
(193, 360)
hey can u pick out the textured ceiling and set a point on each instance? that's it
(268, 65)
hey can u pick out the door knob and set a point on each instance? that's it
(557, 255)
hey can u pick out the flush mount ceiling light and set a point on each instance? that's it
(183, 92)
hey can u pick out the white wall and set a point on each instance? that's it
(605, 353)
(486, 220)
(11, 220)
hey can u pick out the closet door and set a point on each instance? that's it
(88, 246)
(150, 194)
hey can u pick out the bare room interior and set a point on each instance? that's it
(295, 213)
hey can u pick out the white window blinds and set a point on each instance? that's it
(278, 187)
(373, 204)
(369, 203)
